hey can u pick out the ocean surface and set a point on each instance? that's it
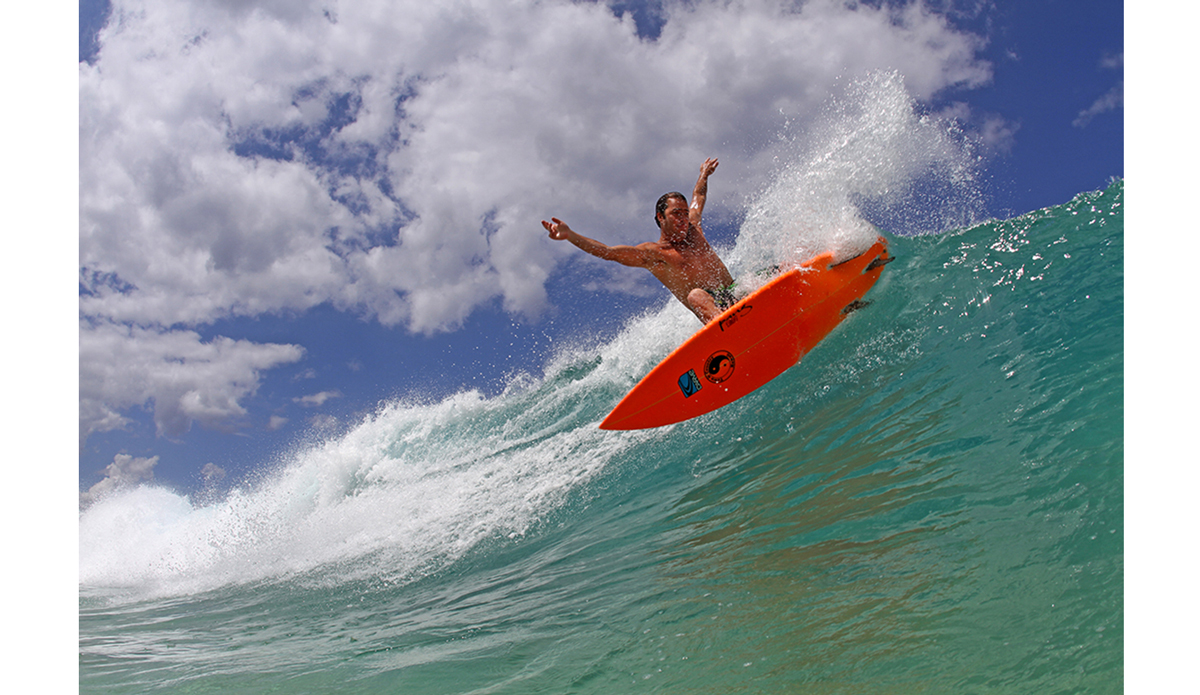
(931, 501)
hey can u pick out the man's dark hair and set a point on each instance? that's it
(661, 206)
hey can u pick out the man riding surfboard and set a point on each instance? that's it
(681, 259)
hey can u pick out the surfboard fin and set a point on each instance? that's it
(854, 306)
(879, 262)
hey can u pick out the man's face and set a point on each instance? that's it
(675, 218)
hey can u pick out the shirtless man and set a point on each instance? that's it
(681, 259)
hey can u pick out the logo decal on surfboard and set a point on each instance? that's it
(719, 366)
(689, 383)
(727, 322)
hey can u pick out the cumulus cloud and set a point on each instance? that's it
(187, 378)
(393, 157)
(125, 471)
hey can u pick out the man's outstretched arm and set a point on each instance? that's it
(700, 192)
(634, 256)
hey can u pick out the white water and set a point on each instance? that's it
(871, 150)
(406, 492)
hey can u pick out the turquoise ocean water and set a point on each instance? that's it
(931, 501)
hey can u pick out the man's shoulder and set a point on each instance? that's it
(654, 247)
(653, 252)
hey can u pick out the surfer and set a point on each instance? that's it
(681, 259)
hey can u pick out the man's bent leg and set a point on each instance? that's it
(702, 304)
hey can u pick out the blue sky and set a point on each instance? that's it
(293, 211)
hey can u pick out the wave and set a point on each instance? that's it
(416, 487)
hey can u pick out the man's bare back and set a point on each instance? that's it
(681, 259)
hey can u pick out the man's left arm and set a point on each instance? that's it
(700, 192)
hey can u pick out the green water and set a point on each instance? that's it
(930, 502)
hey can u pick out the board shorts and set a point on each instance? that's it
(724, 296)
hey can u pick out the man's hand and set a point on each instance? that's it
(557, 228)
(708, 167)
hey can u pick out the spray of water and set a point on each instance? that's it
(870, 161)
(407, 492)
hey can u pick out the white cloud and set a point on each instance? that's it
(317, 399)
(186, 378)
(125, 471)
(309, 373)
(1112, 100)
(212, 473)
(394, 157)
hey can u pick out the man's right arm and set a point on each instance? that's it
(634, 256)
(700, 192)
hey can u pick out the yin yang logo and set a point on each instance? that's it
(719, 366)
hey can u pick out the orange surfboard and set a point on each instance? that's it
(751, 343)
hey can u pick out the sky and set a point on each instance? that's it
(290, 212)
